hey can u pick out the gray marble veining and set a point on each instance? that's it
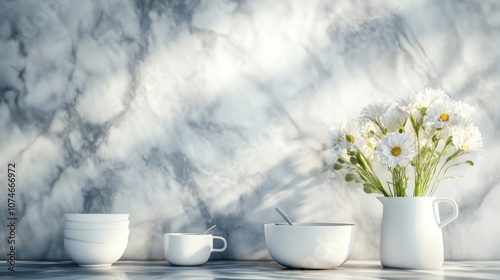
(187, 114)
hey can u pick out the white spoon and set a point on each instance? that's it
(284, 216)
(207, 229)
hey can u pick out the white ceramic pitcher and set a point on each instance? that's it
(411, 236)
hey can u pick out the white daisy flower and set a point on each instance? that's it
(422, 99)
(376, 109)
(346, 136)
(368, 129)
(466, 138)
(396, 149)
(368, 150)
(373, 113)
(465, 110)
(393, 119)
(428, 96)
(442, 114)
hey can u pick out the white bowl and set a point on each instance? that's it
(98, 236)
(310, 245)
(90, 254)
(97, 226)
(96, 218)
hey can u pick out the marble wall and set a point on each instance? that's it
(192, 113)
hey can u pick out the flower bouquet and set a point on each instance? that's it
(427, 133)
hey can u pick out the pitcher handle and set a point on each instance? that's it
(454, 214)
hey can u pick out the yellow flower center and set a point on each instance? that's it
(396, 151)
(444, 117)
(349, 138)
(465, 147)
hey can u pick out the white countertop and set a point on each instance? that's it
(246, 270)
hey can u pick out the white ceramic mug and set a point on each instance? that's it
(189, 248)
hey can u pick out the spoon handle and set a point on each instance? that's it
(208, 229)
(284, 216)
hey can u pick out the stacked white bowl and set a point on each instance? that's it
(94, 240)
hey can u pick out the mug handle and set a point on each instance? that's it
(454, 207)
(221, 249)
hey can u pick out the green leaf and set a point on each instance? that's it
(449, 141)
(369, 144)
(339, 160)
(452, 156)
(353, 160)
(470, 162)
(349, 177)
(337, 166)
(369, 188)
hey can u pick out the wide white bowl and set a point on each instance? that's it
(90, 254)
(96, 218)
(310, 245)
(97, 226)
(97, 235)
